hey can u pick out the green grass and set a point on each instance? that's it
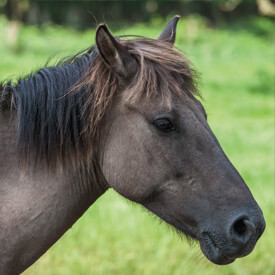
(118, 237)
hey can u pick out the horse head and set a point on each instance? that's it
(159, 151)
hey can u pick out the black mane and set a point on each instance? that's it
(51, 122)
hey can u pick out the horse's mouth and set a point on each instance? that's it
(212, 252)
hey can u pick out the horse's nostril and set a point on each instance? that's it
(242, 230)
(240, 227)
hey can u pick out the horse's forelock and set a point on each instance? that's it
(162, 70)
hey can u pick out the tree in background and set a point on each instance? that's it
(266, 7)
(82, 14)
(14, 9)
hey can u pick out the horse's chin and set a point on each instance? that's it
(210, 250)
(214, 253)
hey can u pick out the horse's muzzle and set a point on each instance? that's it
(238, 242)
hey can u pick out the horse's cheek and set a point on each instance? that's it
(125, 166)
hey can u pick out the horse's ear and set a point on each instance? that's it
(169, 32)
(113, 53)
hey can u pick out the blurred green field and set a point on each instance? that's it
(237, 83)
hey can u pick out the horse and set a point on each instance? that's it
(123, 114)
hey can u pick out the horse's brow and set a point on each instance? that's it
(153, 112)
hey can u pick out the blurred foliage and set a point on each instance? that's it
(260, 26)
(236, 63)
(84, 14)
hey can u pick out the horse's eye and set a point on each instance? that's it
(164, 124)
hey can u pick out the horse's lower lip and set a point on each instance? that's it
(212, 252)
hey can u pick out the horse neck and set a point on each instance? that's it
(87, 178)
(38, 207)
(84, 177)
(7, 140)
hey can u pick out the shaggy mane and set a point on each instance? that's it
(59, 108)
